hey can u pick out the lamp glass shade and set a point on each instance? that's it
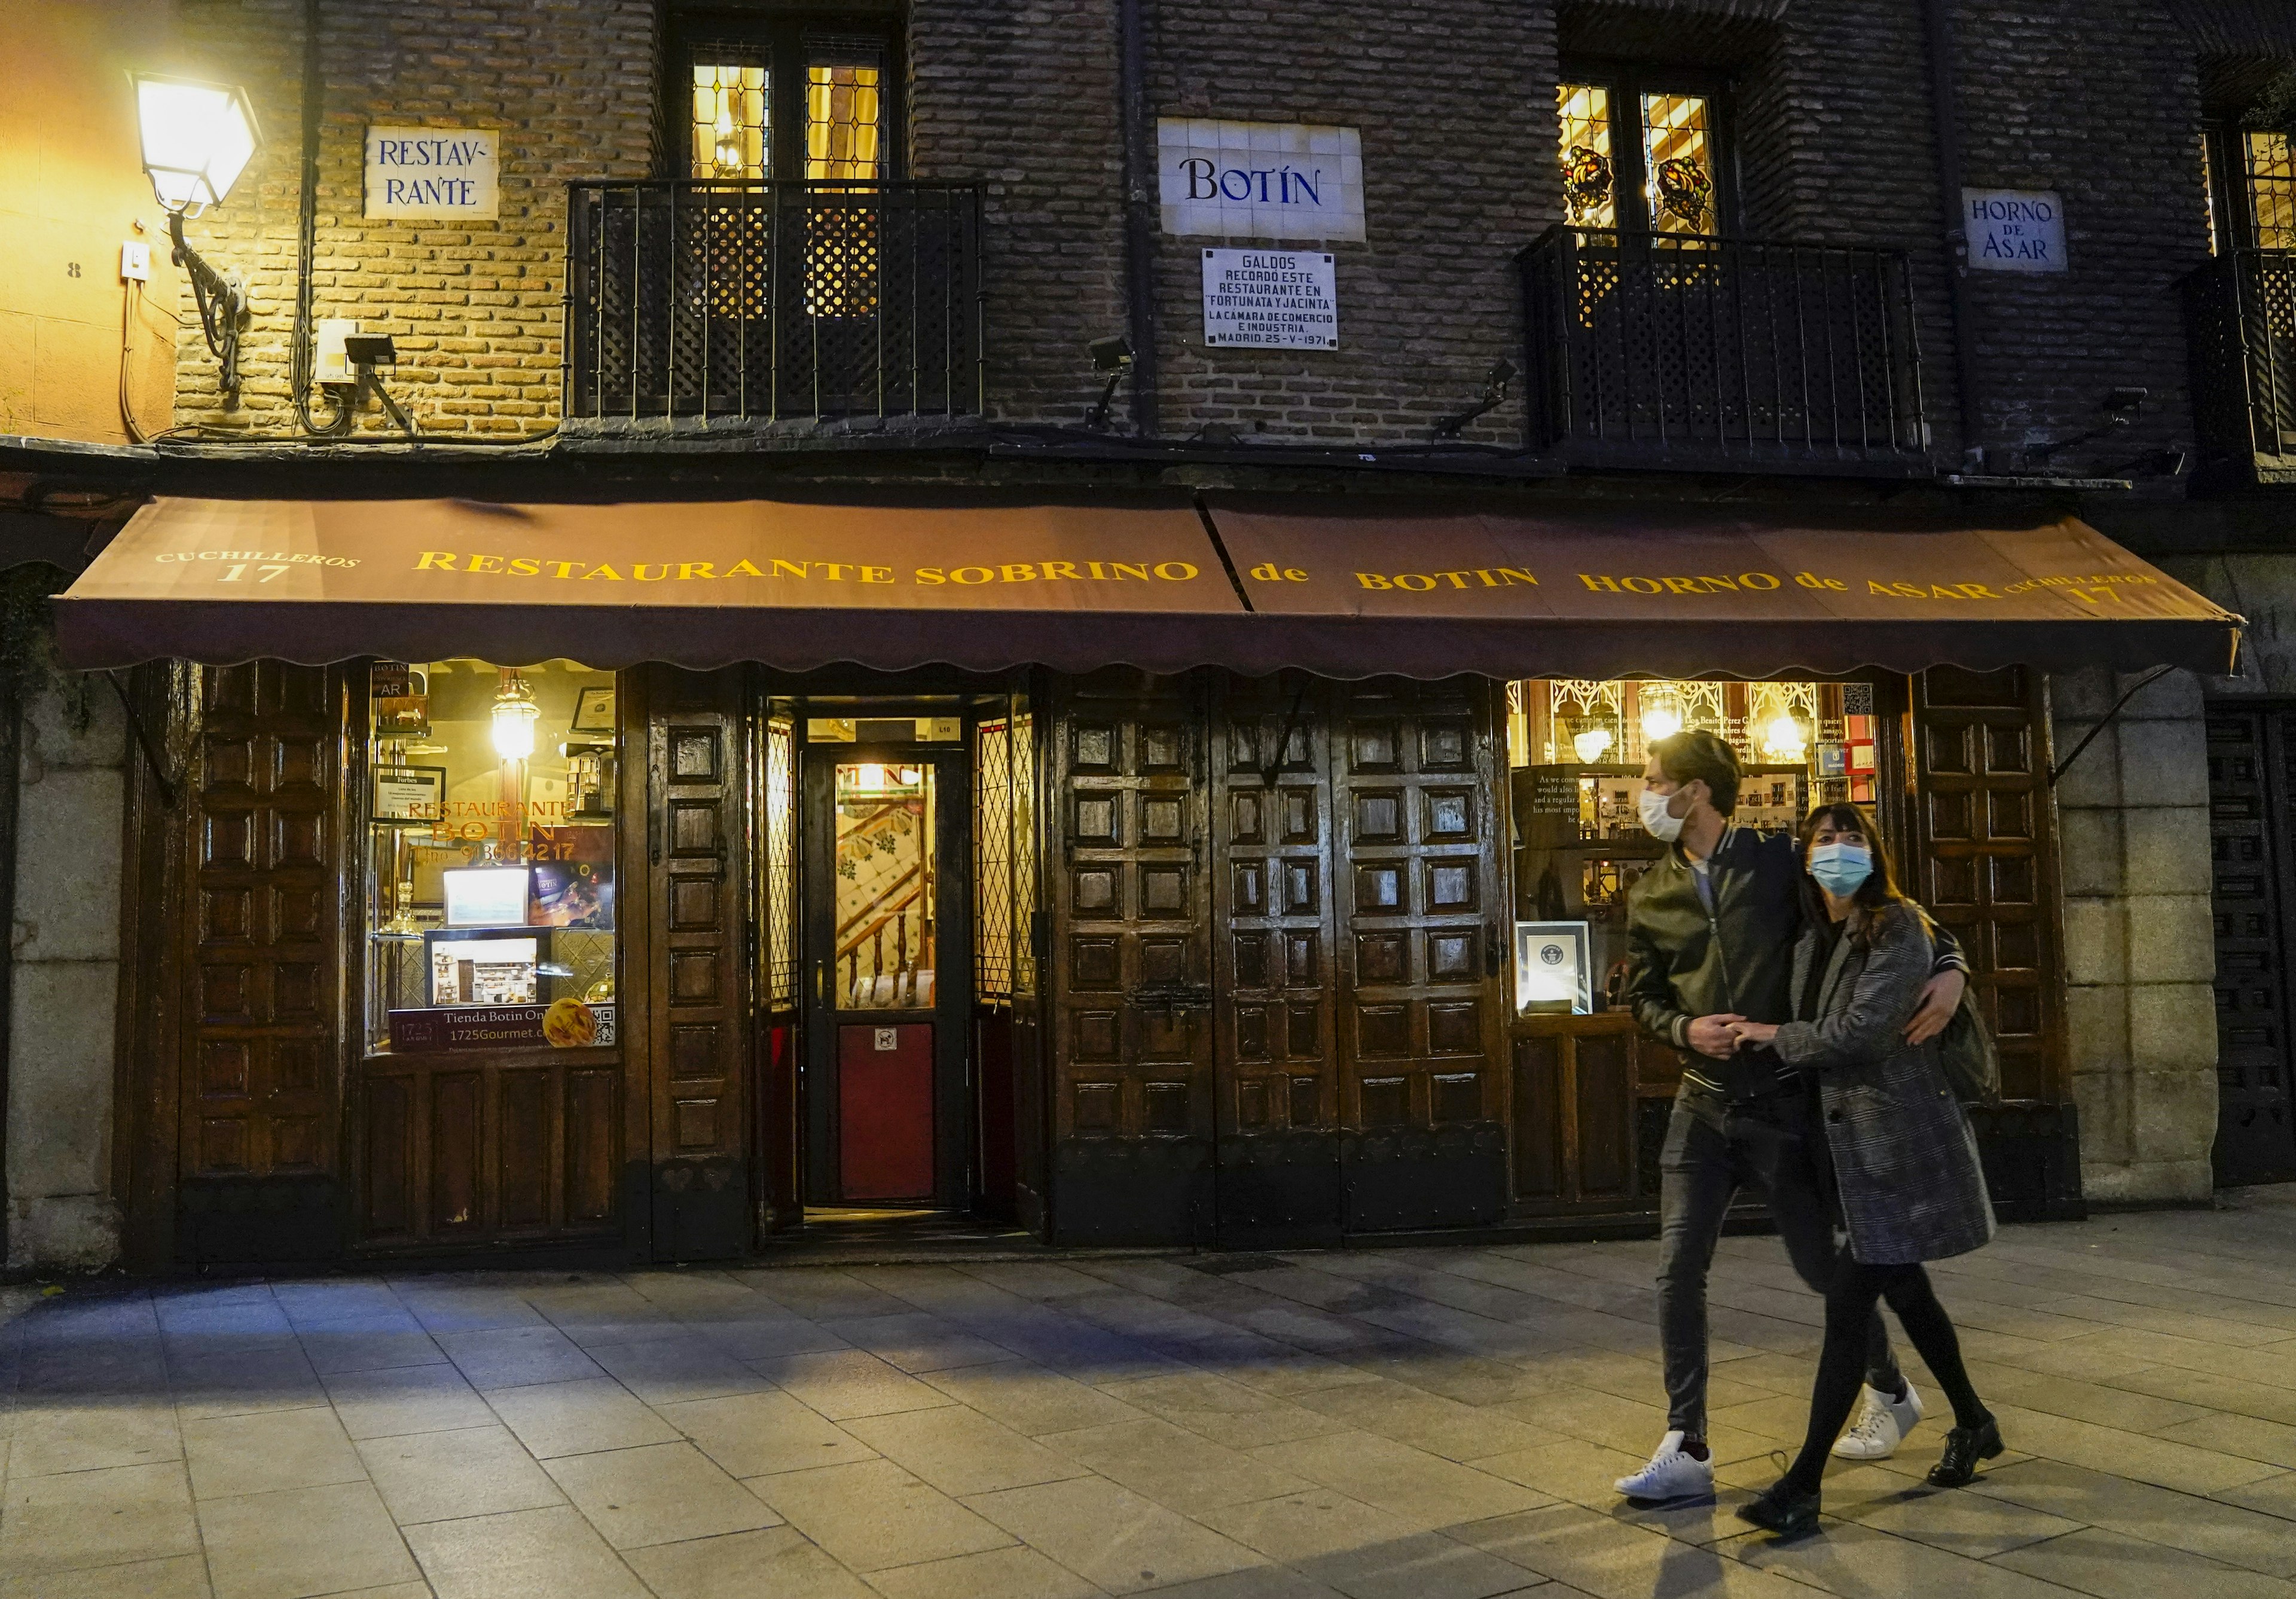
(197, 138)
(514, 717)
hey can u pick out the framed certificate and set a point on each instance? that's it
(594, 711)
(406, 795)
(1551, 968)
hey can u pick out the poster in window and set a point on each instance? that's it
(594, 709)
(409, 794)
(573, 877)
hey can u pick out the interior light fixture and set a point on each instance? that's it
(1592, 745)
(514, 716)
(1785, 740)
(197, 138)
(1661, 718)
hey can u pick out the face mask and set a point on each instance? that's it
(1840, 868)
(1656, 821)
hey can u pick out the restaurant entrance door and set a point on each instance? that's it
(887, 969)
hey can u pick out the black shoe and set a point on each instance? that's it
(1784, 1510)
(1964, 1447)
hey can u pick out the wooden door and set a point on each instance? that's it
(1130, 1012)
(696, 965)
(1419, 918)
(261, 951)
(1277, 1085)
(1985, 857)
(2251, 779)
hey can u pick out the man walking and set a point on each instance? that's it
(1710, 934)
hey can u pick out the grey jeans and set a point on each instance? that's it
(1774, 1145)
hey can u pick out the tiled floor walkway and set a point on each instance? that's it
(1420, 1423)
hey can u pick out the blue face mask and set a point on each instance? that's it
(1840, 868)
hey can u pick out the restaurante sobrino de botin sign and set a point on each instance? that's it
(433, 172)
(1270, 299)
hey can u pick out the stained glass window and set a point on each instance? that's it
(992, 864)
(2272, 188)
(1589, 172)
(732, 135)
(779, 942)
(844, 110)
(1678, 163)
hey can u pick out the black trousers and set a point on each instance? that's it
(1712, 1151)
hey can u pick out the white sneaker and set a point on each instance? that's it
(1882, 1426)
(1671, 1474)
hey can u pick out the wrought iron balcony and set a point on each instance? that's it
(2242, 311)
(772, 301)
(1662, 350)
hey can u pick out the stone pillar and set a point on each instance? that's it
(2140, 953)
(64, 1000)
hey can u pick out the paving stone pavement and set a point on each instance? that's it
(1410, 1423)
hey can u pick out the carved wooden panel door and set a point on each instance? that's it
(1985, 858)
(2251, 779)
(696, 997)
(1419, 921)
(1132, 1049)
(1278, 1080)
(262, 960)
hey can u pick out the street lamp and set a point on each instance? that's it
(198, 137)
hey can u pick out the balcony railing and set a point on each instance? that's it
(2243, 310)
(772, 301)
(1654, 349)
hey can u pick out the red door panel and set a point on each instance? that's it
(884, 1112)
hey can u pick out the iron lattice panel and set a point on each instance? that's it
(2242, 312)
(992, 863)
(774, 300)
(1725, 347)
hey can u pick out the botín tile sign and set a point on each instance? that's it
(1270, 299)
(2014, 230)
(1259, 180)
(440, 172)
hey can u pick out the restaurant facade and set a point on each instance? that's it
(890, 762)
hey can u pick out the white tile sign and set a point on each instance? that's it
(2014, 230)
(1270, 299)
(1259, 180)
(433, 171)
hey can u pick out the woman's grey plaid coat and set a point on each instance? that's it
(1904, 1157)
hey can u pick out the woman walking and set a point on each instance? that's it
(1905, 1161)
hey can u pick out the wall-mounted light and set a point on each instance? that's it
(1661, 718)
(197, 139)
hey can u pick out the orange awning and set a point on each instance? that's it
(1341, 588)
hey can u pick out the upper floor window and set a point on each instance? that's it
(783, 97)
(1641, 151)
(2252, 181)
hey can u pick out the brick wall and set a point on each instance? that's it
(1456, 102)
(1455, 106)
(1021, 96)
(474, 307)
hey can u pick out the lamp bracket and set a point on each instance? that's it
(221, 299)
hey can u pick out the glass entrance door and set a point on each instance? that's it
(884, 1090)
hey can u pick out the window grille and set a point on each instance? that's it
(2272, 188)
(733, 93)
(1678, 163)
(1024, 852)
(844, 109)
(780, 939)
(1589, 166)
(992, 864)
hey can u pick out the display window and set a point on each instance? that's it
(491, 839)
(1577, 748)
